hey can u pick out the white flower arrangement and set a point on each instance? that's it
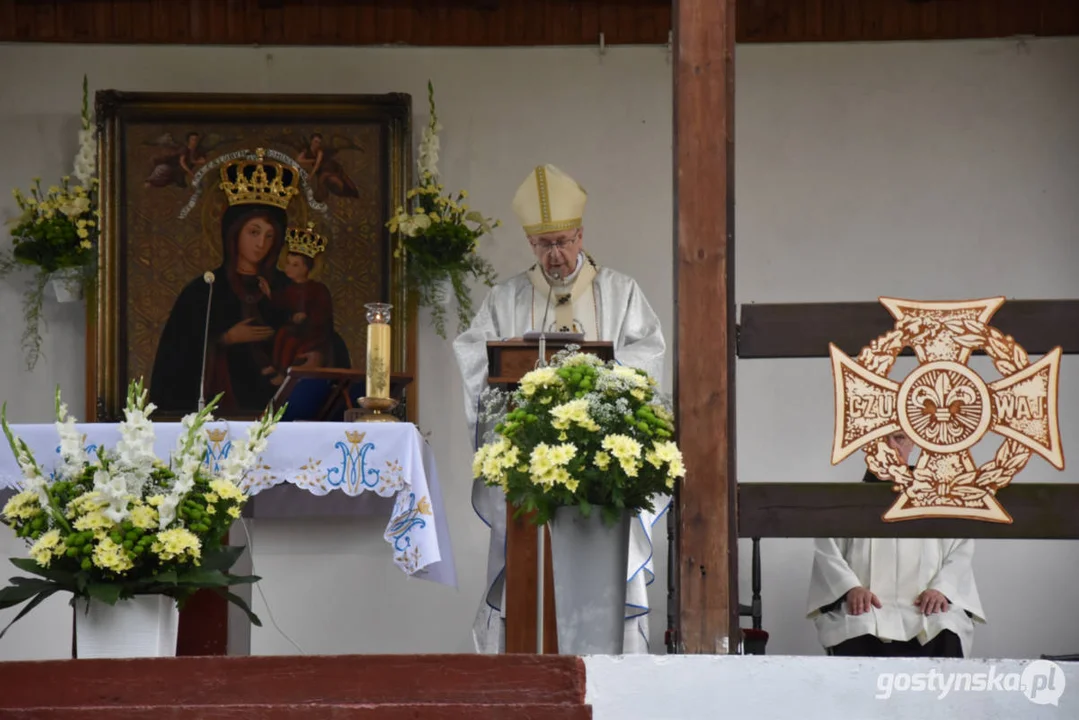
(57, 232)
(123, 522)
(439, 236)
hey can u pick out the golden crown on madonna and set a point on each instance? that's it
(257, 181)
(305, 241)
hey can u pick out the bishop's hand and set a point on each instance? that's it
(860, 599)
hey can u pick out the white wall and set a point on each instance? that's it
(885, 151)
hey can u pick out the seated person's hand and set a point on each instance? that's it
(902, 444)
(932, 601)
(860, 599)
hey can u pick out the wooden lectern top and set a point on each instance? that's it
(510, 360)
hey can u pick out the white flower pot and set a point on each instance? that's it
(590, 562)
(446, 286)
(67, 285)
(144, 626)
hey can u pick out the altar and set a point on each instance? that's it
(370, 467)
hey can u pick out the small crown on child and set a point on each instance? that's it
(253, 180)
(305, 242)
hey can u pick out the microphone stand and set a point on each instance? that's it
(541, 531)
(542, 360)
(209, 279)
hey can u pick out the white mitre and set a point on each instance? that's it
(549, 200)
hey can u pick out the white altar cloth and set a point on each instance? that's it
(388, 459)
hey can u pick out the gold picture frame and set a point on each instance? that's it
(161, 157)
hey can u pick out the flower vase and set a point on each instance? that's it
(445, 286)
(589, 559)
(67, 284)
(143, 626)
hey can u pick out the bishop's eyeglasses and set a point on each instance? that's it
(546, 247)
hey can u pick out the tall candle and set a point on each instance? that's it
(378, 350)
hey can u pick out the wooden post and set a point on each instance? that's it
(706, 503)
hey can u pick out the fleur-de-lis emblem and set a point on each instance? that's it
(949, 409)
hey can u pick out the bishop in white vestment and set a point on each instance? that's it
(894, 596)
(573, 293)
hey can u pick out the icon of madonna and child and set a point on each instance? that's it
(260, 312)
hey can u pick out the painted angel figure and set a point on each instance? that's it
(326, 175)
(179, 162)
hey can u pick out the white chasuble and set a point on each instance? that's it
(896, 570)
(611, 307)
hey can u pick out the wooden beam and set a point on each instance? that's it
(705, 330)
(479, 23)
(1040, 511)
(801, 330)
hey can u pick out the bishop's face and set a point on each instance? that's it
(557, 252)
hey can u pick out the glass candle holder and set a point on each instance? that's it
(378, 349)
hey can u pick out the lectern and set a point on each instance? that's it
(507, 362)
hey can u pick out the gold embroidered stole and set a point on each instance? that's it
(564, 297)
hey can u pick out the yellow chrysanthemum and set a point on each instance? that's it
(539, 378)
(492, 461)
(48, 546)
(143, 517)
(177, 543)
(23, 506)
(95, 520)
(226, 490)
(108, 555)
(573, 412)
(86, 503)
(626, 450)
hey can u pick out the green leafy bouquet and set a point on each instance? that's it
(121, 523)
(580, 433)
(439, 236)
(56, 232)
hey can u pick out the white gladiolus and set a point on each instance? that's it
(86, 159)
(112, 488)
(72, 453)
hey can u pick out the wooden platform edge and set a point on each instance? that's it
(284, 680)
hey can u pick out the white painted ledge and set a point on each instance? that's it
(692, 687)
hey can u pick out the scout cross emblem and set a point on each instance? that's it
(946, 409)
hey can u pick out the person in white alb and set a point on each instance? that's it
(574, 293)
(896, 597)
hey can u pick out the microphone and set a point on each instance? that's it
(542, 361)
(208, 278)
